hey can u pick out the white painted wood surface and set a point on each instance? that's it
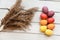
(34, 26)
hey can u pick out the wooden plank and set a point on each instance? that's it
(23, 36)
(36, 17)
(34, 26)
(35, 29)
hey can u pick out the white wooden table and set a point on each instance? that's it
(34, 26)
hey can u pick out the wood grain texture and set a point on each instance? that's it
(34, 33)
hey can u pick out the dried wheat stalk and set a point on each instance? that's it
(21, 20)
(18, 19)
(14, 9)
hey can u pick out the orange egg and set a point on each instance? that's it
(43, 22)
(51, 26)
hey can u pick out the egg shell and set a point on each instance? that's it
(43, 28)
(45, 9)
(43, 16)
(43, 22)
(50, 20)
(49, 32)
(51, 26)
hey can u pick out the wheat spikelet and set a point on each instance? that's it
(14, 9)
(21, 20)
(18, 19)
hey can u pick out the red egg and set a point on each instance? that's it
(51, 13)
(50, 20)
(45, 9)
(43, 16)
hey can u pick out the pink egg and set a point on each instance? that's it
(51, 13)
(45, 9)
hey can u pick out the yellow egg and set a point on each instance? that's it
(43, 28)
(48, 32)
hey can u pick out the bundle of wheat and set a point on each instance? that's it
(15, 8)
(17, 18)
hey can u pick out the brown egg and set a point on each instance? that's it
(51, 13)
(45, 9)
(51, 26)
(43, 22)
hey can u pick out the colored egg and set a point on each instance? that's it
(43, 28)
(43, 16)
(50, 20)
(45, 9)
(51, 13)
(48, 32)
(43, 22)
(51, 26)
